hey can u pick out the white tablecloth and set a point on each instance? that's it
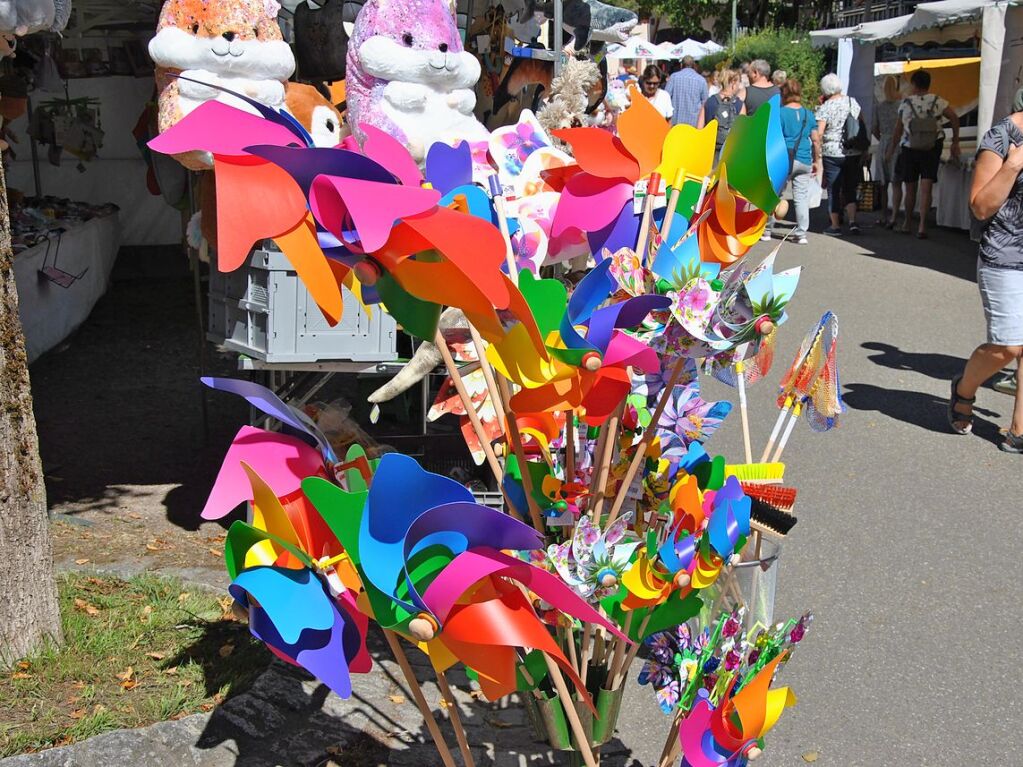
(50, 313)
(952, 194)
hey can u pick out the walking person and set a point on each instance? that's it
(724, 106)
(688, 93)
(996, 199)
(760, 89)
(799, 127)
(651, 82)
(886, 115)
(843, 159)
(919, 136)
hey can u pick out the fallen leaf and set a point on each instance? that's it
(185, 682)
(147, 611)
(133, 515)
(24, 665)
(226, 650)
(155, 655)
(498, 723)
(206, 707)
(20, 675)
(77, 713)
(172, 671)
(127, 674)
(82, 561)
(216, 552)
(218, 698)
(811, 756)
(82, 606)
(129, 684)
(443, 703)
(397, 699)
(99, 708)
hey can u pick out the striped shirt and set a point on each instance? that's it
(688, 91)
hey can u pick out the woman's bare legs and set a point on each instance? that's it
(986, 360)
(1016, 427)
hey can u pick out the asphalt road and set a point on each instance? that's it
(906, 544)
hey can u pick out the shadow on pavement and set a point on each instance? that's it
(917, 408)
(944, 251)
(940, 366)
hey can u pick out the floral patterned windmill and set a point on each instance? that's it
(592, 562)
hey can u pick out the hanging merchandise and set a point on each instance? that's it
(321, 44)
(68, 124)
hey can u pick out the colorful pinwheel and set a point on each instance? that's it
(592, 562)
(687, 419)
(430, 560)
(297, 601)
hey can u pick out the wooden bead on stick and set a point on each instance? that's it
(682, 580)
(754, 753)
(764, 326)
(607, 580)
(423, 627)
(367, 272)
(592, 361)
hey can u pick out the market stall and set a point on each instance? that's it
(63, 255)
(997, 30)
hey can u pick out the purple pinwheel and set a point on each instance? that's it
(686, 419)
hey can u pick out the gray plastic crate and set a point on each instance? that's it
(264, 311)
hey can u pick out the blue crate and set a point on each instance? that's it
(264, 311)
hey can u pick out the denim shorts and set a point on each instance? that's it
(1001, 292)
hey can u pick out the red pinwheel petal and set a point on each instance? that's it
(473, 245)
(373, 206)
(483, 635)
(256, 200)
(605, 390)
(600, 153)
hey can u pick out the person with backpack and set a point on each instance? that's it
(844, 138)
(799, 127)
(724, 106)
(920, 135)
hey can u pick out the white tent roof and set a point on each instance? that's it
(635, 48)
(926, 16)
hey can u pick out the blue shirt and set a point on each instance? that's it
(688, 91)
(798, 124)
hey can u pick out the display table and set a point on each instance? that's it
(50, 313)
(952, 193)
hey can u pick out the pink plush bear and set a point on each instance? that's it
(409, 75)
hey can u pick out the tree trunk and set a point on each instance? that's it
(29, 613)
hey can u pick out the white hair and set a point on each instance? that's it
(830, 84)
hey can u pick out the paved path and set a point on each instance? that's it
(905, 549)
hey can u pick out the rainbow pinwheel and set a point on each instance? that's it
(598, 200)
(723, 735)
(558, 367)
(431, 563)
(298, 602)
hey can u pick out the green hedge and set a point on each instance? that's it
(787, 49)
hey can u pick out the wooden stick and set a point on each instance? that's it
(796, 410)
(652, 188)
(740, 384)
(570, 643)
(502, 222)
(470, 409)
(584, 660)
(664, 761)
(777, 429)
(488, 373)
(603, 470)
(630, 656)
(573, 716)
(676, 190)
(515, 438)
(570, 435)
(644, 443)
(456, 720)
(619, 653)
(417, 694)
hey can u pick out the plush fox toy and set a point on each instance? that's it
(235, 44)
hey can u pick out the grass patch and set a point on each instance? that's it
(135, 652)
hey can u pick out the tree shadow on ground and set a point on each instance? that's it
(917, 408)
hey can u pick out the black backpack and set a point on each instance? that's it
(855, 137)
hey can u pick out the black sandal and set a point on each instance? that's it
(1013, 443)
(954, 416)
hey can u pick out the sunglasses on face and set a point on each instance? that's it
(652, 82)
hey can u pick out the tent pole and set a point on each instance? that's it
(35, 150)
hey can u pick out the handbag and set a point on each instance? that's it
(868, 194)
(855, 138)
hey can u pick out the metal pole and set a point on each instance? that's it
(559, 36)
(35, 150)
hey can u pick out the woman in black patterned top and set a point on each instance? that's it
(996, 199)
